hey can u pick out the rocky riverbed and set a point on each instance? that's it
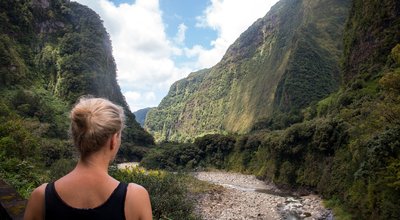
(245, 197)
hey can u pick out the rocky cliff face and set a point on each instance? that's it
(282, 63)
(61, 48)
(51, 53)
(371, 33)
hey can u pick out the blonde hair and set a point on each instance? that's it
(93, 122)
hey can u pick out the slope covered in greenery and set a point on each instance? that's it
(282, 63)
(51, 53)
(347, 146)
(163, 120)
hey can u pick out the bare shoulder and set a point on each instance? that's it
(37, 195)
(136, 189)
(40, 190)
(137, 204)
(136, 193)
(35, 206)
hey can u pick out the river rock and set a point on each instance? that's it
(245, 197)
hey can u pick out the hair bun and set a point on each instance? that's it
(93, 122)
(82, 117)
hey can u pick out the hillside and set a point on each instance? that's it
(346, 147)
(51, 53)
(140, 115)
(282, 63)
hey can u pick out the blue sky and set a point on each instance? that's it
(176, 12)
(157, 42)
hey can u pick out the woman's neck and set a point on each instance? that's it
(93, 163)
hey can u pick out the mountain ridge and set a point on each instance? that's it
(259, 74)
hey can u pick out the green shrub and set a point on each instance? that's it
(215, 147)
(168, 193)
(207, 151)
(172, 157)
(61, 167)
(22, 174)
(16, 140)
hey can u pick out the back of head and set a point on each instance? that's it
(93, 122)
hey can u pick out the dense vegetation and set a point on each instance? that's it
(52, 52)
(347, 149)
(169, 193)
(281, 64)
(276, 81)
(163, 118)
(209, 150)
(345, 146)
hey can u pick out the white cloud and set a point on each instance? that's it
(137, 100)
(150, 96)
(229, 18)
(145, 55)
(132, 96)
(180, 36)
(142, 51)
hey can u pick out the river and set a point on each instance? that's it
(245, 197)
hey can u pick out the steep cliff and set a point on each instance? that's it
(51, 53)
(62, 47)
(165, 120)
(346, 147)
(371, 33)
(282, 63)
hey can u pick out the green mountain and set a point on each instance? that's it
(51, 53)
(345, 147)
(62, 48)
(141, 115)
(281, 64)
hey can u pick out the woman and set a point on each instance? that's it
(88, 192)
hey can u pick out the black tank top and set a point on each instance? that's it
(113, 208)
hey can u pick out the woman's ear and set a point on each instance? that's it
(114, 141)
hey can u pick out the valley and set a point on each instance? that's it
(308, 97)
(245, 197)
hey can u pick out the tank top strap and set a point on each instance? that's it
(50, 200)
(119, 195)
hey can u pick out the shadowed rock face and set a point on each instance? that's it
(12, 205)
(368, 39)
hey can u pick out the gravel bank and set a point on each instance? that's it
(245, 197)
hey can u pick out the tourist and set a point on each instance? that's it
(88, 191)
